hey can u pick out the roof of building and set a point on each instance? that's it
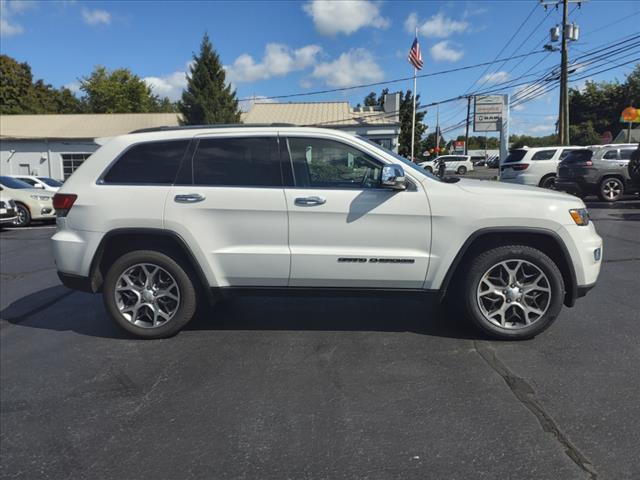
(323, 114)
(81, 125)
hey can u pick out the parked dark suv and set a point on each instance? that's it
(598, 171)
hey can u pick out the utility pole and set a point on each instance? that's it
(466, 133)
(569, 32)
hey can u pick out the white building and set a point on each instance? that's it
(55, 145)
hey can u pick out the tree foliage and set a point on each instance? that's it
(477, 142)
(119, 91)
(20, 94)
(208, 99)
(596, 108)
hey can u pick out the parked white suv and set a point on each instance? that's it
(460, 164)
(534, 166)
(162, 219)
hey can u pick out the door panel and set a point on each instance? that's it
(349, 232)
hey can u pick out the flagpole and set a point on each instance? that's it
(413, 123)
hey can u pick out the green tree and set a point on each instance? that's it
(208, 99)
(117, 91)
(16, 84)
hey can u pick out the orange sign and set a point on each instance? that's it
(630, 115)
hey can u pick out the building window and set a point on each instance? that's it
(71, 161)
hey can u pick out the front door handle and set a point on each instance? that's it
(189, 198)
(310, 201)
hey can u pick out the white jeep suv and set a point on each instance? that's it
(162, 219)
(460, 164)
(534, 166)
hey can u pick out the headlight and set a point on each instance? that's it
(43, 198)
(580, 216)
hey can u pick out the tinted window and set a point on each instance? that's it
(611, 155)
(11, 182)
(515, 156)
(251, 162)
(578, 156)
(543, 155)
(565, 153)
(328, 164)
(28, 180)
(50, 181)
(148, 163)
(625, 154)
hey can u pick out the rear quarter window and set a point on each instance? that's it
(154, 163)
(544, 155)
(625, 154)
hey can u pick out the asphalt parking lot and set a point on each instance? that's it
(318, 387)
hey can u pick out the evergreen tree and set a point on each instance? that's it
(406, 121)
(208, 99)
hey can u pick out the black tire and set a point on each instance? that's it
(429, 169)
(462, 170)
(634, 167)
(23, 218)
(548, 182)
(188, 298)
(484, 263)
(611, 189)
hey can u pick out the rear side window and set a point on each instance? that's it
(611, 155)
(153, 163)
(626, 154)
(515, 156)
(247, 162)
(543, 155)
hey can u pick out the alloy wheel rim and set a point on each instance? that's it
(514, 294)
(147, 295)
(21, 216)
(611, 189)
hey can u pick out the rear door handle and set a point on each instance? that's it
(189, 198)
(310, 201)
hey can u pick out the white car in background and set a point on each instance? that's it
(31, 203)
(534, 166)
(44, 183)
(460, 164)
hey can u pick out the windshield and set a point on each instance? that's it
(515, 156)
(406, 162)
(50, 181)
(11, 182)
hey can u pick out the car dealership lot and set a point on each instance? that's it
(318, 387)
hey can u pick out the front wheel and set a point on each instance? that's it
(462, 170)
(149, 294)
(549, 182)
(23, 216)
(513, 292)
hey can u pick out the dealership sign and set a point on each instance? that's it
(488, 113)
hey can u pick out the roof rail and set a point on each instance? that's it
(215, 125)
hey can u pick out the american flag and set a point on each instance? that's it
(415, 55)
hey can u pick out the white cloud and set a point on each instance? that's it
(74, 87)
(170, 85)
(445, 51)
(351, 68)
(346, 16)
(518, 108)
(438, 26)
(8, 9)
(278, 60)
(96, 17)
(542, 128)
(496, 77)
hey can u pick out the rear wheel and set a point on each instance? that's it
(429, 169)
(23, 216)
(611, 189)
(548, 182)
(513, 292)
(462, 170)
(149, 295)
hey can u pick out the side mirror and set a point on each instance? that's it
(393, 177)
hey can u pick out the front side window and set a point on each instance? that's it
(235, 162)
(30, 181)
(611, 155)
(11, 182)
(328, 164)
(543, 155)
(151, 163)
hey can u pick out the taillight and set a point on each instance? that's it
(520, 166)
(62, 203)
(588, 163)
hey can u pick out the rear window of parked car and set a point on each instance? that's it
(544, 155)
(515, 156)
(578, 156)
(250, 162)
(154, 163)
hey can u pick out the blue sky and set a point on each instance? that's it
(278, 48)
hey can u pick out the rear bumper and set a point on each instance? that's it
(569, 186)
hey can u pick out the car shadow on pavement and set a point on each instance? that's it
(60, 309)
